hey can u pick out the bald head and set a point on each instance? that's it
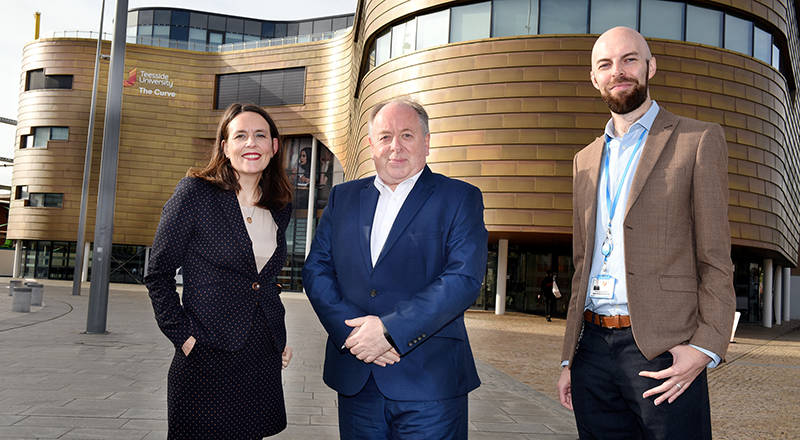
(619, 39)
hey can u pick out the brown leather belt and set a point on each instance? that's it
(616, 321)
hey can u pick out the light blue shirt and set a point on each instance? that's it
(621, 150)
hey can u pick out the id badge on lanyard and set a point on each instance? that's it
(603, 285)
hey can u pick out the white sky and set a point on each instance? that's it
(84, 15)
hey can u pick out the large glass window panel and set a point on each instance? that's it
(233, 38)
(515, 17)
(738, 35)
(563, 16)
(252, 27)
(268, 30)
(292, 29)
(161, 36)
(40, 137)
(607, 14)
(180, 18)
(59, 133)
(432, 29)
(383, 47)
(178, 33)
(197, 39)
(162, 16)
(235, 25)
(470, 22)
(216, 23)
(215, 38)
(145, 35)
(704, 25)
(762, 45)
(198, 20)
(130, 35)
(662, 19)
(339, 24)
(403, 38)
(776, 57)
(281, 30)
(306, 28)
(321, 26)
(145, 17)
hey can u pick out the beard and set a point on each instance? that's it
(628, 101)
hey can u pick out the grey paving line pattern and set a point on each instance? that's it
(56, 382)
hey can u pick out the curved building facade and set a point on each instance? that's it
(506, 83)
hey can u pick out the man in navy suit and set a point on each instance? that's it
(396, 260)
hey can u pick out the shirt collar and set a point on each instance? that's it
(646, 122)
(411, 181)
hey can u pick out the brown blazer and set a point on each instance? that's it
(677, 238)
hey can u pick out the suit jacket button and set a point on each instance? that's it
(373, 293)
(411, 344)
(256, 286)
(423, 336)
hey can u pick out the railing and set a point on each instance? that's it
(202, 47)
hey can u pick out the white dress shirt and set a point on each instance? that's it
(389, 204)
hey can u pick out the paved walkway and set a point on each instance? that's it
(56, 382)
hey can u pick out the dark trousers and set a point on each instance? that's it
(370, 416)
(607, 392)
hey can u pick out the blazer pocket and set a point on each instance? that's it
(678, 283)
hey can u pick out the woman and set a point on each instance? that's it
(225, 227)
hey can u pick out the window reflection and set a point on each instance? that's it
(432, 29)
(607, 14)
(704, 25)
(470, 22)
(515, 17)
(662, 19)
(738, 35)
(564, 16)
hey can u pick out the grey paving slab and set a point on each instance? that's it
(57, 382)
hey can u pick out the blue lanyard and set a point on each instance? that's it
(612, 204)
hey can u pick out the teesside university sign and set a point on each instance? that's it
(161, 80)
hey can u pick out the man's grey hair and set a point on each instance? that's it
(404, 100)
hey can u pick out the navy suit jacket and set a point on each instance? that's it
(202, 230)
(429, 272)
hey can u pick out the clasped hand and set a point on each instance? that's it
(367, 341)
(687, 363)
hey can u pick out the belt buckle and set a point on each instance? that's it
(612, 321)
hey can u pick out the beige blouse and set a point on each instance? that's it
(263, 233)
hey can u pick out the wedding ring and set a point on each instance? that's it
(678, 385)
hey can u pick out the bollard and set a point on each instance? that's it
(22, 300)
(37, 291)
(12, 283)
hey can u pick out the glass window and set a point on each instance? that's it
(776, 57)
(738, 35)
(233, 38)
(235, 25)
(403, 38)
(339, 23)
(321, 26)
(281, 30)
(607, 14)
(267, 30)
(59, 133)
(662, 19)
(198, 20)
(350, 20)
(515, 17)
(432, 29)
(180, 18)
(133, 18)
(216, 23)
(22, 192)
(564, 16)
(470, 22)
(162, 16)
(161, 36)
(215, 38)
(292, 29)
(762, 45)
(383, 46)
(130, 35)
(145, 17)
(36, 80)
(47, 200)
(40, 137)
(197, 39)
(306, 28)
(252, 27)
(177, 33)
(704, 25)
(145, 35)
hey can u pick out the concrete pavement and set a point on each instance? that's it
(56, 382)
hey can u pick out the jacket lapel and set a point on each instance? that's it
(595, 161)
(233, 215)
(366, 213)
(422, 190)
(660, 132)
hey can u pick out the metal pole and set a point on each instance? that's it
(87, 166)
(104, 225)
(766, 314)
(312, 191)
